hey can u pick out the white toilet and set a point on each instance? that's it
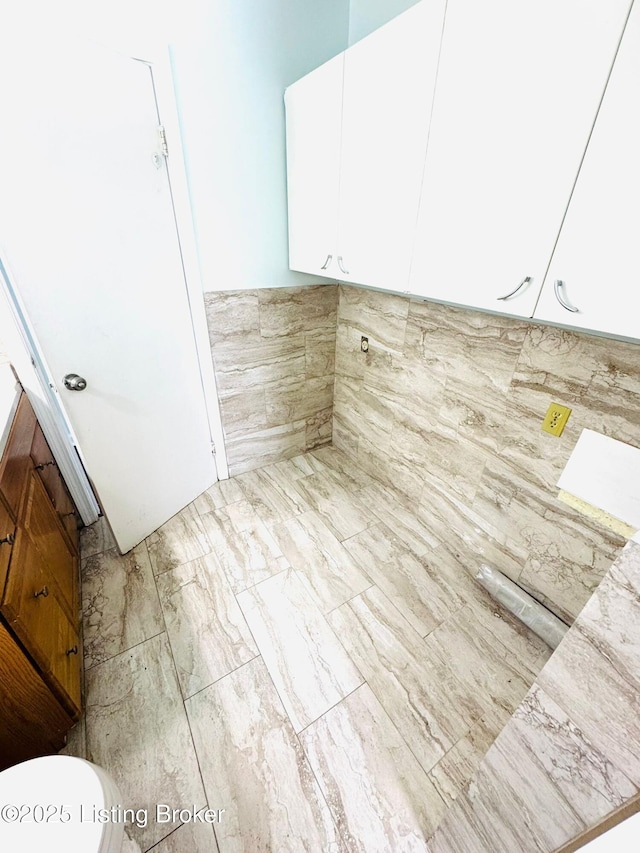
(59, 804)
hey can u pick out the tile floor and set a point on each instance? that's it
(296, 649)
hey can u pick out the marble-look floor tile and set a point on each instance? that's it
(189, 838)
(321, 561)
(351, 475)
(270, 495)
(583, 775)
(254, 767)
(291, 469)
(137, 730)
(395, 662)
(390, 507)
(612, 724)
(120, 606)
(491, 671)
(513, 797)
(454, 771)
(307, 663)
(220, 494)
(415, 585)
(381, 798)
(339, 508)
(181, 539)
(529, 650)
(243, 546)
(610, 618)
(207, 631)
(96, 538)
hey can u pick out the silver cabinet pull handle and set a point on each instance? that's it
(327, 262)
(341, 265)
(557, 284)
(524, 282)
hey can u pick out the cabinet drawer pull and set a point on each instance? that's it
(73, 651)
(341, 265)
(327, 262)
(44, 592)
(524, 281)
(44, 465)
(557, 284)
(9, 539)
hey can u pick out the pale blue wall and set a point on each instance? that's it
(367, 15)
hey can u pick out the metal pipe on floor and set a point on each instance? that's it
(529, 611)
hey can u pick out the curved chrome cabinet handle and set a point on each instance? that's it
(524, 282)
(557, 284)
(327, 262)
(341, 265)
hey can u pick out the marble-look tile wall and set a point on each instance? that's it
(563, 762)
(447, 405)
(273, 353)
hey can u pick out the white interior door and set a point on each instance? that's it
(88, 231)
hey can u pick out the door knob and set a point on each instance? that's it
(73, 382)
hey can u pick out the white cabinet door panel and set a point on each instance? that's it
(598, 251)
(518, 89)
(313, 108)
(389, 80)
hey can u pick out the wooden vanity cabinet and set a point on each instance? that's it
(40, 653)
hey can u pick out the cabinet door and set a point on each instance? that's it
(313, 111)
(32, 606)
(597, 256)
(519, 86)
(389, 80)
(32, 722)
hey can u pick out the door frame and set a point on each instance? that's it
(160, 65)
(29, 360)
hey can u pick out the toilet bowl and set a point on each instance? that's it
(59, 804)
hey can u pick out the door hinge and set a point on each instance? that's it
(163, 140)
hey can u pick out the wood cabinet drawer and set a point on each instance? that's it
(32, 607)
(16, 459)
(7, 533)
(50, 548)
(55, 487)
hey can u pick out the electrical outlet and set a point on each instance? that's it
(556, 418)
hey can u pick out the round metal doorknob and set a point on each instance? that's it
(73, 382)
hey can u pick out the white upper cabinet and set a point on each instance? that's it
(518, 89)
(314, 115)
(389, 81)
(597, 257)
